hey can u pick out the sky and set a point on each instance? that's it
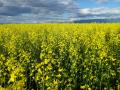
(35, 11)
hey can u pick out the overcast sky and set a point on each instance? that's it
(33, 11)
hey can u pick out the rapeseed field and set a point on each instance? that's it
(60, 56)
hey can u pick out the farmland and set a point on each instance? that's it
(60, 56)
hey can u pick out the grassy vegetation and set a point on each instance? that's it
(60, 56)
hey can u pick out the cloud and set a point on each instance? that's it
(101, 12)
(29, 11)
(101, 1)
(14, 10)
(1, 4)
(105, 1)
(36, 9)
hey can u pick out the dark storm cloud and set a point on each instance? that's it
(1, 4)
(15, 7)
(14, 10)
(36, 9)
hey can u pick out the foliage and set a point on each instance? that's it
(60, 56)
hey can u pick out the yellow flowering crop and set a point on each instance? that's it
(60, 56)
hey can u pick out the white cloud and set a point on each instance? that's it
(98, 11)
(105, 1)
(102, 1)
